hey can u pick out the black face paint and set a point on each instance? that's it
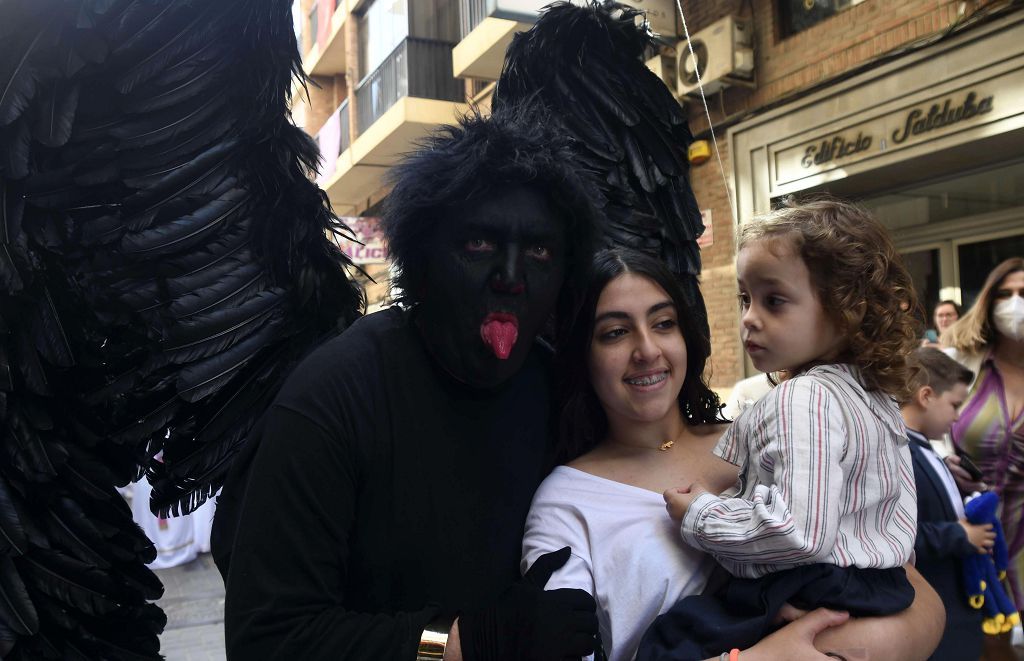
(493, 278)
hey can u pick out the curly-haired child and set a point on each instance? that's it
(824, 512)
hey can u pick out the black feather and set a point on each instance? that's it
(186, 231)
(10, 279)
(75, 583)
(16, 608)
(50, 335)
(206, 335)
(174, 221)
(56, 114)
(12, 208)
(12, 533)
(586, 66)
(172, 45)
(19, 75)
(202, 379)
(17, 142)
(233, 281)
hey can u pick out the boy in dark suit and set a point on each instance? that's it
(944, 536)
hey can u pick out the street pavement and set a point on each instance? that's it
(194, 602)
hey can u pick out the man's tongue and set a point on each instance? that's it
(499, 332)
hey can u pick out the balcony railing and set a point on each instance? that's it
(473, 12)
(346, 139)
(417, 67)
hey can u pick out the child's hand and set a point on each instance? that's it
(981, 535)
(678, 500)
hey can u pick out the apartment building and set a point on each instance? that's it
(383, 79)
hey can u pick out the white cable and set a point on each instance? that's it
(707, 113)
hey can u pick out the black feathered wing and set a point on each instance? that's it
(586, 65)
(164, 260)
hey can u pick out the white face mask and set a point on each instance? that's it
(1008, 316)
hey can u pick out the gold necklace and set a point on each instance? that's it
(667, 445)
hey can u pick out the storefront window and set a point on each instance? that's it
(953, 231)
(381, 29)
(798, 15)
(972, 194)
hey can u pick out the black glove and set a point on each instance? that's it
(527, 623)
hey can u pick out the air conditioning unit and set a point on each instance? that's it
(664, 67)
(723, 54)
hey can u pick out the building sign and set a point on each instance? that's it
(706, 239)
(919, 121)
(370, 248)
(838, 146)
(660, 13)
(907, 127)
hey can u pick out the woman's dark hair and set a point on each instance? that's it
(582, 421)
(461, 165)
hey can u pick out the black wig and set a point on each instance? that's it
(461, 164)
(582, 422)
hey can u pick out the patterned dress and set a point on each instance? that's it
(996, 443)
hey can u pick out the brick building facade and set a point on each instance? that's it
(819, 71)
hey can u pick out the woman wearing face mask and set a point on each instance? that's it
(989, 340)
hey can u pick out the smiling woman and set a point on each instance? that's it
(637, 416)
(638, 356)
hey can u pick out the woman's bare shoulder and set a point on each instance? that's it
(591, 462)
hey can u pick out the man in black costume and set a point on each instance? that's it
(396, 467)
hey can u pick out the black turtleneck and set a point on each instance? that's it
(382, 492)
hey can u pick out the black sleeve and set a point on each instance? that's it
(942, 539)
(285, 588)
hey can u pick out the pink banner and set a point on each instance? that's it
(367, 230)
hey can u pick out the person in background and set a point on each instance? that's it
(946, 314)
(944, 536)
(989, 341)
(636, 417)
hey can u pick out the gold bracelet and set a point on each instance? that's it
(434, 639)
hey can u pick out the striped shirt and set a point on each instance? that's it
(825, 477)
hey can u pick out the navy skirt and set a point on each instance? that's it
(742, 611)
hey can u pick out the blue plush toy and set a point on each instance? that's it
(983, 572)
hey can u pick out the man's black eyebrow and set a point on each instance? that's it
(618, 314)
